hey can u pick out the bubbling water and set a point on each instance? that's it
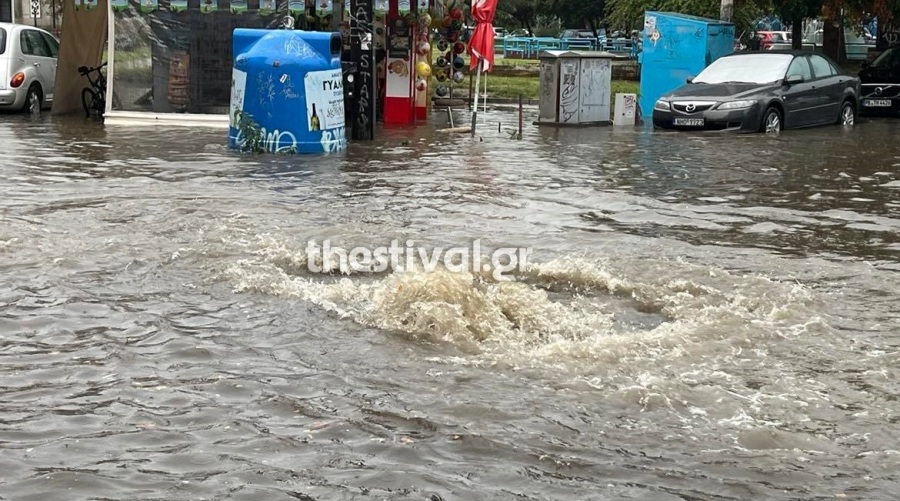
(570, 313)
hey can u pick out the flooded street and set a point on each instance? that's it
(702, 318)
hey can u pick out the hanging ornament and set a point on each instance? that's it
(324, 7)
(423, 69)
(441, 75)
(266, 7)
(459, 48)
(238, 6)
(421, 84)
(381, 8)
(425, 20)
(441, 91)
(442, 45)
(456, 25)
(453, 36)
(442, 62)
(458, 76)
(423, 48)
(456, 13)
(458, 63)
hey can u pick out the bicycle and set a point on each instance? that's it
(93, 98)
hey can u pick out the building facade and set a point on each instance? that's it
(40, 13)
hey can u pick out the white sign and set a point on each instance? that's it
(324, 99)
(238, 88)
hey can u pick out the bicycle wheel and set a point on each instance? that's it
(88, 101)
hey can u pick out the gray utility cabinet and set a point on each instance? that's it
(575, 87)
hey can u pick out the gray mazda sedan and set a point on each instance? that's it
(762, 92)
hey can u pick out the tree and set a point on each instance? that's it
(629, 14)
(586, 14)
(794, 12)
(55, 8)
(523, 12)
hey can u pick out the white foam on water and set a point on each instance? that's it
(555, 316)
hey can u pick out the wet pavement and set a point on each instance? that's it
(703, 316)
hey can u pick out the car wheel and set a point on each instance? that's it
(33, 100)
(848, 114)
(772, 121)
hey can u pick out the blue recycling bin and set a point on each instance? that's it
(678, 46)
(287, 93)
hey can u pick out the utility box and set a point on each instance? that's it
(625, 112)
(287, 92)
(575, 88)
(676, 47)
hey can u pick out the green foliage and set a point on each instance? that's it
(792, 10)
(629, 14)
(578, 14)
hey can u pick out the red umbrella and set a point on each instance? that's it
(481, 46)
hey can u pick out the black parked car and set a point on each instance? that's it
(881, 84)
(762, 91)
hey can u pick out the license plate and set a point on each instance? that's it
(877, 103)
(689, 122)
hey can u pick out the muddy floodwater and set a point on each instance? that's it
(701, 317)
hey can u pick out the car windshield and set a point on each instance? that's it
(751, 68)
(2, 41)
(887, 58)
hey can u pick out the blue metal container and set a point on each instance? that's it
(678, 46)
(287, 93)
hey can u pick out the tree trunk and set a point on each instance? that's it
(797, 34)
(726, 10)
(833, 41)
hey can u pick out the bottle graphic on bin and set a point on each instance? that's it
(314, 120)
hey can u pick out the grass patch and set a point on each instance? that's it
(128, 56)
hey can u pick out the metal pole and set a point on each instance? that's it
(521, 117)
(475, 108)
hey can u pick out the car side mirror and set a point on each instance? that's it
(690, 80)
(793, 80)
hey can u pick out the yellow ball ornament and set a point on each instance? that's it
(423, 69)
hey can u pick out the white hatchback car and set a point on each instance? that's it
(27, 67)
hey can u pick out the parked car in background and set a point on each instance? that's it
(27, 67)
(577, 34)
(768, 38)
(880, 89)
(762, 91)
